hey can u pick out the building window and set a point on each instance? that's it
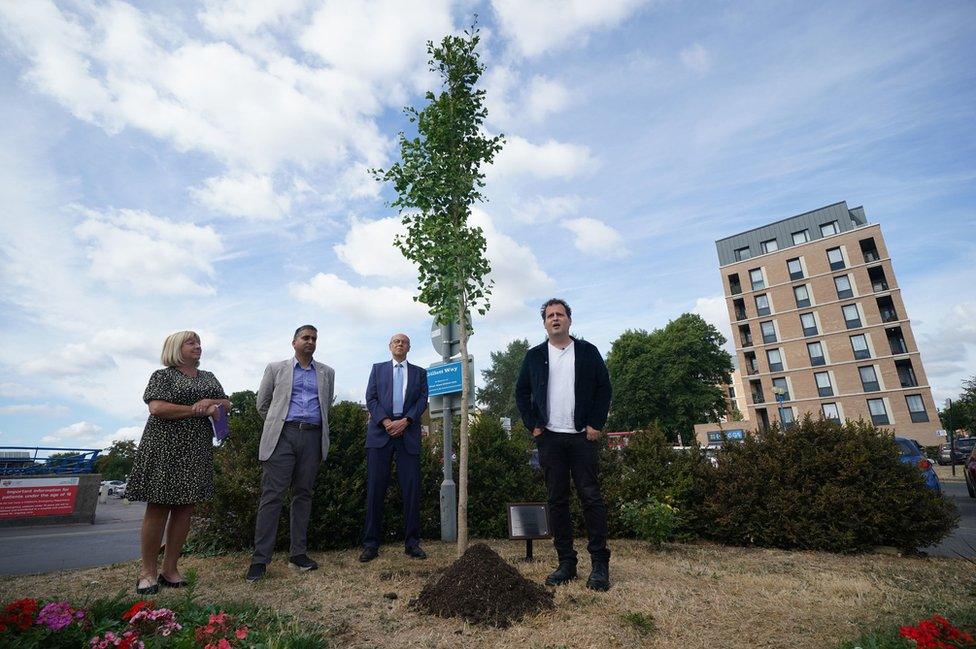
(836, 259)
(801, 237)
(786, 416)
(755, 388)
(878, 280)
(735, 287)
(745, 335)
(762, 304)
(859, 344)
(886, 306)
(752, 363)
(879, 414)
(830, 412)
(782, 387)
(843, 285)
(869, 378)
(906, 373)
(756, 278)
(809, 324)
(775, 359)
(815, 350)
(769, 246)
(739, 308)
(852, 318)
(795, 268)
(869, 250)
(896, 341)
(802, 295)
(824, 387)
(741, 254)
(916, 408)
(828, 229)
(768, 331)
(731, 392)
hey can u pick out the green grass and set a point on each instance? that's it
(644, 624)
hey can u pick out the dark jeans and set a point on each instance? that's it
(571, 455)
(294, 463)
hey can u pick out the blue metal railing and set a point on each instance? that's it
(37, 460)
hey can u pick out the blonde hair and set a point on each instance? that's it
(172, 346)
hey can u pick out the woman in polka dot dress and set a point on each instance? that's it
(173, 468)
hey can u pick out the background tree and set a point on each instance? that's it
(117, 463)
(498, 395)
(962, 413)
(670, 376)
(439, 176)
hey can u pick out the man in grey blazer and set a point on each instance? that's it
(294, 400)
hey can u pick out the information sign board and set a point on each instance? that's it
(25, 497)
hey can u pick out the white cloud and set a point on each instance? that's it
(593, 236)
(240, 17)
(382, 305)
(16, 390)
(80, 432)
(714, 311)
(243, 194)
(696, 58)
(33, 408)
(553, 159)
(543, 209)
(511, 103)
(368, 249)
(77, 358)
(545, 96)
(139, 253)
(542, 25)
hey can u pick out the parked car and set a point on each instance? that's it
(912, 454)
(964, 446)
(115, 487)
(969, 471)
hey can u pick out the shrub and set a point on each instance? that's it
(652, 520)
(823, 486)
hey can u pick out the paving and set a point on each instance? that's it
(113, 538)
(962, 542)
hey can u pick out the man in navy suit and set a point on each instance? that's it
(396, 397)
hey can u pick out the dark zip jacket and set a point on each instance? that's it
(592, 387)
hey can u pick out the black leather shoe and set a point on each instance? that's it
(415, 552)
(256, 572)
(599, 576)
(146, 590)
(166, 583)
(368, 555)
(564, 573)
(302, 562)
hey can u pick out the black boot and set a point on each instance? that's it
(564, 573)
(600, 576)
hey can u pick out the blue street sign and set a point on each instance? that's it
(444, 378)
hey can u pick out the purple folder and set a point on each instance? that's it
(220, 428)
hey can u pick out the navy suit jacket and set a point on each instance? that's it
(379, 400)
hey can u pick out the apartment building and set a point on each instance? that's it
(819, 322)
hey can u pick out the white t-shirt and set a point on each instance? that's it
(561, 394)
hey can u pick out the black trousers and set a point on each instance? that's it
(565, 456)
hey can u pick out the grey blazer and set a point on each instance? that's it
(274, 395)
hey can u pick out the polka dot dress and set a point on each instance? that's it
(174, 462)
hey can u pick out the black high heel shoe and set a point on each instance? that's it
(166, 583)
(148, 590)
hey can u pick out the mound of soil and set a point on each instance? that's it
(483, 588)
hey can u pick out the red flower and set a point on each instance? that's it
(18, 614)
(241, 632)
(135, 608)
(937, 633)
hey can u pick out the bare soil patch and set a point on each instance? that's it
(482, 588)
(697, 596)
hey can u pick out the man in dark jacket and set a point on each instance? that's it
(563, 395)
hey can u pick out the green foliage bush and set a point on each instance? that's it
(823, 486)
(652, 520)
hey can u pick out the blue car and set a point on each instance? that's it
(912, 454)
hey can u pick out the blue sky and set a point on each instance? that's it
(171, 166)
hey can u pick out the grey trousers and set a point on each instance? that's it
(294, 463)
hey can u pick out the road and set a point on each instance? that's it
(112, 539)
(963, 540)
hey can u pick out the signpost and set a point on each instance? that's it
(28, 497)
(443, 382)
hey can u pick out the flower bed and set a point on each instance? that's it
(144, 624)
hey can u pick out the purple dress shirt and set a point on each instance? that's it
(304, 404)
